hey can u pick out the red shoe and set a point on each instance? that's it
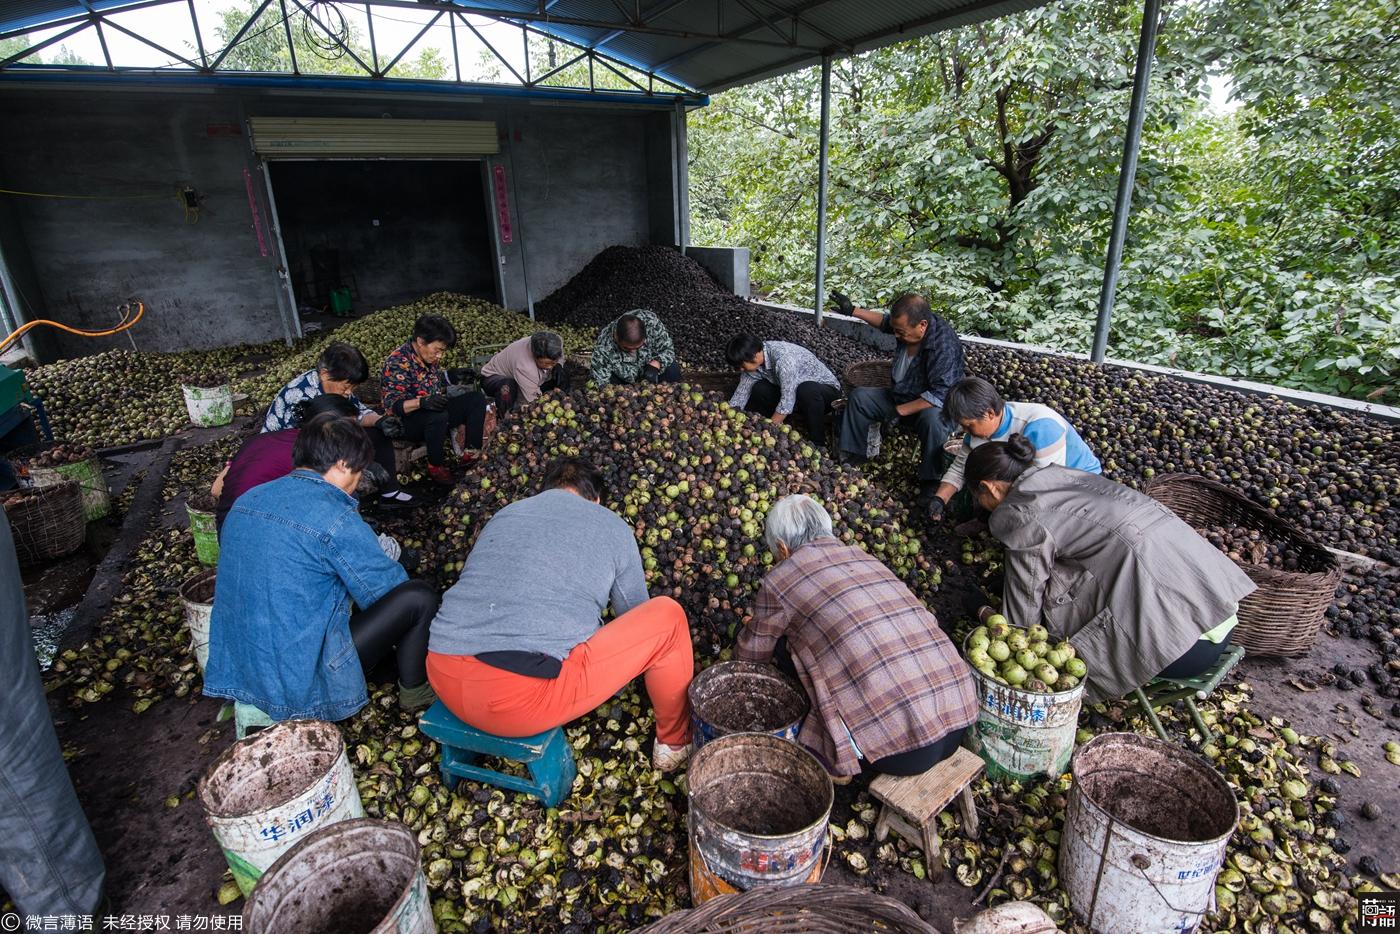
(441, 475)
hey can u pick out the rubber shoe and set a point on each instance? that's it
(668, 758)
(419, 698)
(441, 475)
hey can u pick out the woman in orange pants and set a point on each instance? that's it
(517, 646)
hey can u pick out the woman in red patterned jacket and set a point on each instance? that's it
(415, 388)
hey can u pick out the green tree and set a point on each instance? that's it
(263, 48)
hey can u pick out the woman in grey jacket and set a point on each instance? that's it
(1136, 589)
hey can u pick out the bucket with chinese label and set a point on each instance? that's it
(357, 875)
(1021, 734)
(268, 792)
(197, 594)
(759, 810)
(1145, 835)
(745, 697)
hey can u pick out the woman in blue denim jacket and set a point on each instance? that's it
(294, 555)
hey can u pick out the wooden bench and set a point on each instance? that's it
(910, 804)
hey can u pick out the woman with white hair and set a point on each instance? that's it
(887, 687)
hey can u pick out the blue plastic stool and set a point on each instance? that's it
(548, 756)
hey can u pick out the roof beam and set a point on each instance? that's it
(660, 9)
(738, 34)
(496, 13)
(238, 36)
(25, 53)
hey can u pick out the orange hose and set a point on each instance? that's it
(127, 322)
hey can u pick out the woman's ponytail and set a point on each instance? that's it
(999, 460)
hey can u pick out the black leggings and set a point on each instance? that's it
(505, 391)
(398, 620)
(1198, 659)
(432, 427)
(384, 457)
(914, 762)
(813, 402)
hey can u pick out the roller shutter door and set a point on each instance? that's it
(335, 137)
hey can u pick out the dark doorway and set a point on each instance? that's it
(384, 231)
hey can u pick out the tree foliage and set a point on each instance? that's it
(980, 165)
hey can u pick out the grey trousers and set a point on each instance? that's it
(866, 406)
(49, 862)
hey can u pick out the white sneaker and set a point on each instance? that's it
(398, 496)
(667, 758)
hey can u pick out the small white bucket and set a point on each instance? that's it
(268, 792)
(1145, 835)
(209, 406)
(361, 875)
(197, 593)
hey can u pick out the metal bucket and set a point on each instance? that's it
(268, 792)
(759, 809)
(1019, 733)
(1145, 835)
(209, 406)
(97, 500)
(745, 697)
(197, 593)
(358, 875)
(206, 536)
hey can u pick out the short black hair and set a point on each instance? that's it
(971, 399)
(912, 308)
(547, 345)
(327, 403)
(329, 439)
(342, 361)
(630, 329)
(433, 328)
(741, 349)
(578, 475)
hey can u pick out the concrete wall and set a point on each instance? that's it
(579, 178)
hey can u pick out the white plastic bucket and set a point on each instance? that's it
(1145, 835)
(1019, 733)
(209, 406)
(197, 594)
(97, 499)
(268, 792)
(361, 875)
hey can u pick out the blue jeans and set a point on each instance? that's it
(49, 861)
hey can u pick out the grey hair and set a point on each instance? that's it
(547, 345)
(795, 520)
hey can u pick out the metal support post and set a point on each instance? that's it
(822, 153)
(1147, 45)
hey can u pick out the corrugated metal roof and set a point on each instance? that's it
(708, 45)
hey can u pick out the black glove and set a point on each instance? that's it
(437, 402)
(378, 476)
(461, 375)
(842, 302)
(936, 508)
(391, 426)
(651, 373)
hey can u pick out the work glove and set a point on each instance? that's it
(936, 509)
(378, 476)
(461, 375)
(454, 391)
(842, 302)
(389, 546)
(391, 426)
(651, 373)
(437, 402)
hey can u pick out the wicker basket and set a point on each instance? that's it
(799, 909)
(712, 381)
(873, 373)
(47, 522)
(1283, 617)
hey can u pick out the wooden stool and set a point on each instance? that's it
(547, 755)
(910, 804)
